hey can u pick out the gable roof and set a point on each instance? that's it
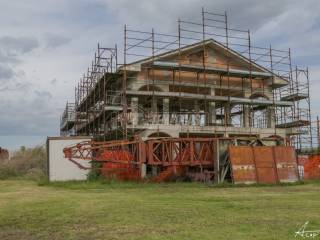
(207, 42)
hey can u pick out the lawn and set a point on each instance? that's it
(95, 210)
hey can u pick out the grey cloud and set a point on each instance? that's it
(7, 58)
(16, 87)
(22, 86)
(11, 49)
(54, 81)
(35, 110)
(13, 46)
(6, 73)
(241, 13)
(55, 40)
(43, 95)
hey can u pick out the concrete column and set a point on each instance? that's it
(211, 113)
(271, 121)
(134, 110)
(143, 170)
(212, 116)
(154, 110)
(246, 116)
(227, 113)
(197, 112)
(154, 105)
(165, 110)
(190, 118)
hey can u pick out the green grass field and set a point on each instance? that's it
(95, 210)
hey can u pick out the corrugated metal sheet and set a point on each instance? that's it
(263, 164)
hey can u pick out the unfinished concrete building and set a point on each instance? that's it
(208, 80)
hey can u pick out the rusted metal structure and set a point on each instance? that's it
(203, 159)
(261, 164)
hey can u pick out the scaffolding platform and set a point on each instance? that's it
(113, 108)
(298, 123)
(295, 97)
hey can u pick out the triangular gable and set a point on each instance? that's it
(220, 48)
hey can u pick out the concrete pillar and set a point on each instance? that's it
(212, 116)
(227, 113)
(165, 110)
(211, 113)
(246, 116)
(271, 121)
(197, 112)
(190, 118)
(134, 110)
(154, 110)
(154, 105)
(143, 170)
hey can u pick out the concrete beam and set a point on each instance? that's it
(234, 100)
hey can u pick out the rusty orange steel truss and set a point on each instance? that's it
(164, 152)
(184, 156)
(181, 151)
(112, 151)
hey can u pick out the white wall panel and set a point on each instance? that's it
(59, 167)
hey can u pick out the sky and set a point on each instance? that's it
(45, 47)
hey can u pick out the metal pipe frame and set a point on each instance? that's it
(106, 73)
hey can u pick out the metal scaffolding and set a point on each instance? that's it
(67, 120)
(103, 110)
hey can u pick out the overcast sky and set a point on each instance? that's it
(46, 45)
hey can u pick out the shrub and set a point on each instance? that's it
(94, 173)
(26, 162)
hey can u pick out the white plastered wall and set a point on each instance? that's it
(59, 167)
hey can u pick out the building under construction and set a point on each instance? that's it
(206, 81)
